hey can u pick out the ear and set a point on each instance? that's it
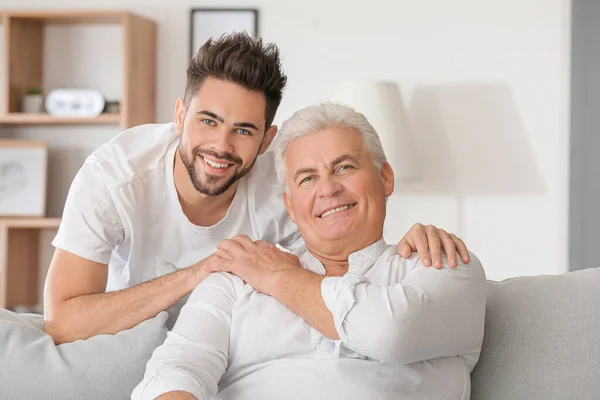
(387, 175)
(267, 139)
(179, 115)
(288, 205)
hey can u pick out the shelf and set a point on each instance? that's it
(23, 49)
(30, 223)
(23, 60)
(20, 259)
(68, 17)
(46, 119)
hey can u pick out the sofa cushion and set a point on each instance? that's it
(101, 367)
(541, 339)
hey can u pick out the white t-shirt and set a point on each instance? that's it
(123, 210)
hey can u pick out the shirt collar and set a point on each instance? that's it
(358, 262)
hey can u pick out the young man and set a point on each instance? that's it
(148, 208)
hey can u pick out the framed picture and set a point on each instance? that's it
(23, 177)
(214, 22)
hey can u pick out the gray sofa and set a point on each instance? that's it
(541, 343)
(542, 339)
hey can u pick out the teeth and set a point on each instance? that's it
(214, 164)
(325, 214)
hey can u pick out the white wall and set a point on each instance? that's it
(508, 61)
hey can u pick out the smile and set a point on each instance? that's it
(335, 210)
(215, 164)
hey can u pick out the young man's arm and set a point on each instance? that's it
(76, 306)
(75, 303)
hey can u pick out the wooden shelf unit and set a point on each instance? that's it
(23, 58)
(46, 119)
(20, 261)
(23, 68)
(30, 223)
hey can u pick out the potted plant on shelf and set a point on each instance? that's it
(32, 101)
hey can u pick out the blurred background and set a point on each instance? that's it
(494, 96)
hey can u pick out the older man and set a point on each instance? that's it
(398, 329)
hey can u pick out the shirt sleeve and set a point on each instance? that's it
(91, 227)
(194, 356)
(430, 313)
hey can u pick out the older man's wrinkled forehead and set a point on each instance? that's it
(325, 149)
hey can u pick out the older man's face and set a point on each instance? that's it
(335, 192)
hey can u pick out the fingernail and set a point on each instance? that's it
(427, 261)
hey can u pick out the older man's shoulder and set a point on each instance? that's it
(391, 257)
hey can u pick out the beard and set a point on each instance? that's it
(208, 184)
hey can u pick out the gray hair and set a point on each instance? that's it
(318, 118)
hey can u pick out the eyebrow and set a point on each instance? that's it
(344, 157)
(212, 115)
(335, 162)
(221, 120)
(245, 125)
(302, 171)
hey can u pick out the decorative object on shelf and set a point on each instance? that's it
(74, 103)
(112, 107)
(32, 101)
(24, 61)
(23, 175)
(214, 22)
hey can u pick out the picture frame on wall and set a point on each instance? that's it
(23, 178)
(206, 23)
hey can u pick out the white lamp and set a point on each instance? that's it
(381, 103)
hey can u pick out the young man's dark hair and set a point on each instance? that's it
(243, 60)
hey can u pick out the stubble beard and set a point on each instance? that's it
(206, 184)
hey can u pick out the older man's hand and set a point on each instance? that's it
(258, 263)
(429, 239)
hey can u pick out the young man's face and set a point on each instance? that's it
(222, 133)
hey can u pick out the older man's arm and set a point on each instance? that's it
(431, 313)
(191, 361)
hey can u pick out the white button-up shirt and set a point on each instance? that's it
(406, 332)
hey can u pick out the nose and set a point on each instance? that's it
(222, 141)
(329, 186)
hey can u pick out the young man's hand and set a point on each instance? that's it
(429, 239)
(258, 263)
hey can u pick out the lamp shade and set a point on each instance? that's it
(381, 103)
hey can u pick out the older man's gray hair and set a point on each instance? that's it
(321, 117)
